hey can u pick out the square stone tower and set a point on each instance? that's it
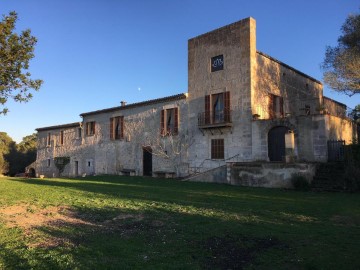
(221, 64)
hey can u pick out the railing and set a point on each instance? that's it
(214, 118)
(200, 168)
(336, 150)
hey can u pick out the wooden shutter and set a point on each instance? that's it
(122, 127)
(93, 127)
(207, 109)
(217, 149)
(176, 120)
(61, 137)
(271, 106)
(87, 128)
(227, 117)
(162, 123)
(281, 106)
(112, 128)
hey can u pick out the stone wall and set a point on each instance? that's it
(47, 152)
(249, 76)
(338, 128)
(236, 42)
(269, 175)
(277, 78)
(98, 154)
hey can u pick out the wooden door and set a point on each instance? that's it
(276, 143)
(147, 161)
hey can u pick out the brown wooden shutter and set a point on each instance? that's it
(93, 127)
(162, 123)
(176, 120)
(207, 109)
(227, 115)
(281, 106)
(112, 128)
(271, 106)
(122, 127)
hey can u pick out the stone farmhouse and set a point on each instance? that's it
(242, 107)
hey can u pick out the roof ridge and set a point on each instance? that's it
(141, 103)
(287, 66)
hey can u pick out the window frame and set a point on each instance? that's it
(79, 132)
(172, 128)
(213, 116)
(219, 61)
(61, 137)
(48, 139)
(276, 106)
(117, 128)
(90, 128)
(217, 149)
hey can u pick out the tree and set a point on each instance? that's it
(15, 53)
(5, 147)
(171, 148)
(355, 113)
(15, 157)
(342, 63)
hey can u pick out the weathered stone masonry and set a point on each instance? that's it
(242, 105)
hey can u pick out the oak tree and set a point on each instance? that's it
(16, 51)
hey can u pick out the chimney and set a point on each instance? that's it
(123, 103)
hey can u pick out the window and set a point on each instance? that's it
(169, 121)
(117, 128)
(49, 162)
(48, 140)
(217, 149)
(90, 128)
(276, 106)
(61, 137)
(79, 133)
(217, 108)
(217, 63)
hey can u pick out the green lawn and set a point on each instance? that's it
(109, 222)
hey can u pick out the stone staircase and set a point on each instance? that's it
(329, 177)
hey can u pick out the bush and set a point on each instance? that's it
(352, 167)
(299, 182)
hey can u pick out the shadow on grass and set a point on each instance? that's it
(189, 225)
(221, 201)
(11, 260)
(152, 240)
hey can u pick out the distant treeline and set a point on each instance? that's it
(15, 157)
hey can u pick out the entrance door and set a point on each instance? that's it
(147, 161)
(276, 143)
(32, 173)
(76, 168)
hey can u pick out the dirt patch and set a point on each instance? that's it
(28, 216)
(236, 252)
(44, 227)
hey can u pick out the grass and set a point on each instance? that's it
(109, 222)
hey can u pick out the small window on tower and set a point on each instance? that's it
(217, 63)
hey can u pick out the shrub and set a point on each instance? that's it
(352, 166)
(299, 182)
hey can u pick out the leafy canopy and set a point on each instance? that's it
(15, 53)
(342, 63)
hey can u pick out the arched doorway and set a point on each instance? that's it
(31, 173)
(276, 143)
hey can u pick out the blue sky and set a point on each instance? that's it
(93, 54)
